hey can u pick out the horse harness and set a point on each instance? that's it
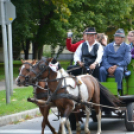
(28, 64)
(55, 96)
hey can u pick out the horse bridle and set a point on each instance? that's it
(28, 64)
(37, 75)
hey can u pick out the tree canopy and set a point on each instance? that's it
(47, 21)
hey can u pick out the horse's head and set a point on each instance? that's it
(23, 71)
(40, 70)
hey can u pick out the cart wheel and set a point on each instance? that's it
(94, 116)
(72, 121)
(129, 116)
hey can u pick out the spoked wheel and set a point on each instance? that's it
(129, 117)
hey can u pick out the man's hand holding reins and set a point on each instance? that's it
(81, 64)
(93, 66)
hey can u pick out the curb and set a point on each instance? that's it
(4, 120)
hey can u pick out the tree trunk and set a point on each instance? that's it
(40, 53)
(52, 50)
(26, 51)
(61, 48)
(35, 51)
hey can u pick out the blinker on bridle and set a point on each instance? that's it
(41, 68)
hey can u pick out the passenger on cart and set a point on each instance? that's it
(101, 38)
(72, 47)
(117, 55)
(130, 38)
(88, 55)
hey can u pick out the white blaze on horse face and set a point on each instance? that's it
(23, 67)
(16, 80)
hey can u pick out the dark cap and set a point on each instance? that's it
(90, 30)
(119, 33)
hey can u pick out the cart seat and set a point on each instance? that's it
(127, 98)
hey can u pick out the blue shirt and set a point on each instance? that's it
(122, 57)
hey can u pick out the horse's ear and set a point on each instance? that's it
(49, 59)
(34, 62)
(22, 61)
(53, 61)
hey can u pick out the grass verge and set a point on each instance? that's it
(18, 101)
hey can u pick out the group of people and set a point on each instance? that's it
(95, 57)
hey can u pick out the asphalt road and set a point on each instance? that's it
(2, 85)
(33, 126)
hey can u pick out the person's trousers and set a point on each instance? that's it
(118, 74)
(80, 71)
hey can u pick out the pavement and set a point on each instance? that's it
(33, 126)
(2, 85)
(7, 119)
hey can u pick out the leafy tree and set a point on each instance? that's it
(22, 27)
(47, 21)
(105, 15)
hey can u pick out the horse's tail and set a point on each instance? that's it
(106, 98)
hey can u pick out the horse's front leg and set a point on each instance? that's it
(45, 113)
(68, 126)
(98, 116)
(87, 112)
(78, 125)
(51, 128)
(64, 120)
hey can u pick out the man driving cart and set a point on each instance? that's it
(88, 55)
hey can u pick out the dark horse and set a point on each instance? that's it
(89, 90)
(23, 71)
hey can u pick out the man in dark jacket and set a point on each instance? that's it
(88, 54)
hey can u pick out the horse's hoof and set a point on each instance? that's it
(98, 133)
(87, 132)
(78, 132)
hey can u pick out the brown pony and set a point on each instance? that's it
(23, 71)
(89, 90)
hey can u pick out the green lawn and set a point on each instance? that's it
(64, 64)
(18, 101)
